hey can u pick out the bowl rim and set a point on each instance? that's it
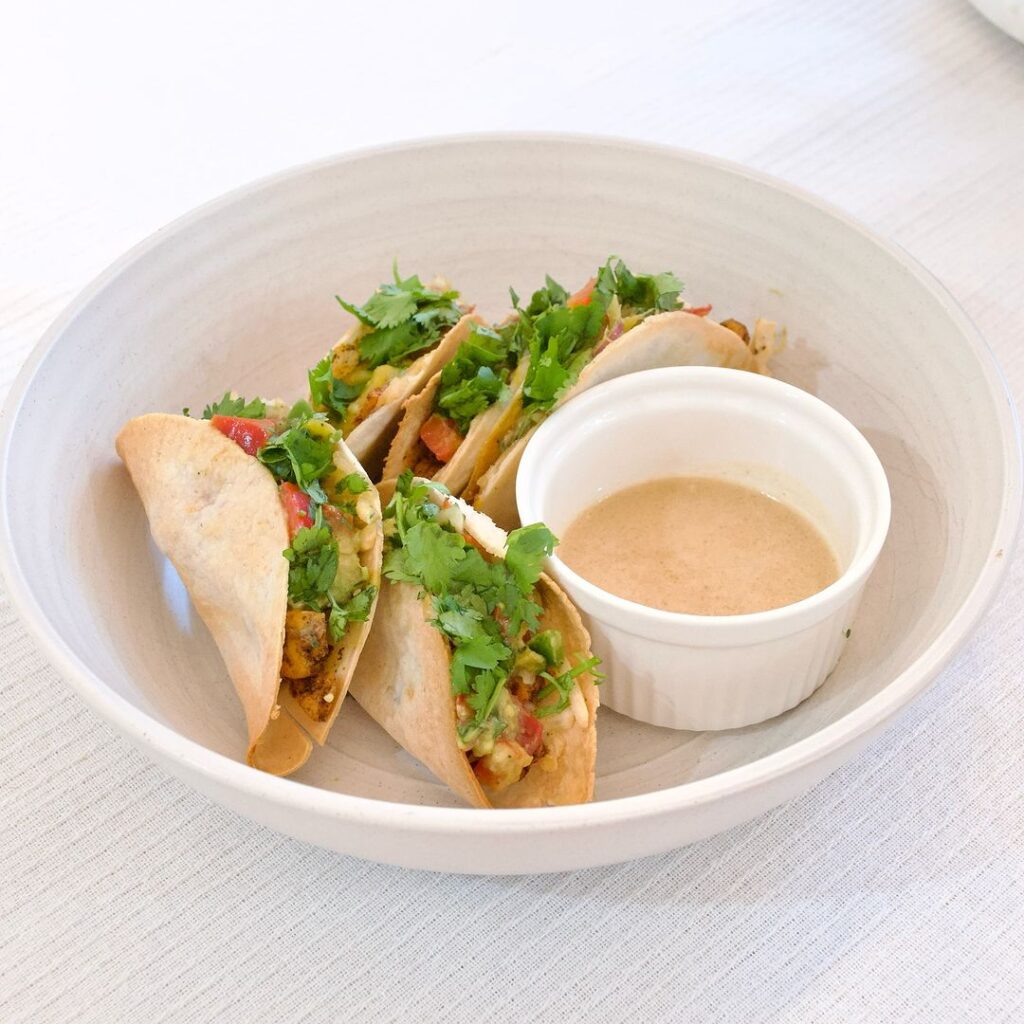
(712, 630)
(146, 732)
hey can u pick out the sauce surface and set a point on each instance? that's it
(699, 545)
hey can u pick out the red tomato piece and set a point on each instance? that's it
(441, 436)
(699, 310)
(249, 435)
(583, 296)
(531, 733)
(296, 508)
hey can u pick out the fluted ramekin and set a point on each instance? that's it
(695, 671)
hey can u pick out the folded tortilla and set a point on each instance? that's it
(676, 338)
(407, 451)
(370, 438)
(215, 512)
(402, 681)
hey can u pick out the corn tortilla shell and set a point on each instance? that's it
(369, 440)
(215, 512)
(456, 473)
(676, 338)
(341, 662)
(402, 682)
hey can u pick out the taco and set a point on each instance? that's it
(616, 324)
(275, 530)
(403, 334)
(477, 664)
(443, 426)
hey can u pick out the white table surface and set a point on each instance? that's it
(892, 892)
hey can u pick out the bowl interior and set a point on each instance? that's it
(241, 295)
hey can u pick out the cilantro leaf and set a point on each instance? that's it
(525, 552)
(327, 391)
(297, 455)
(355, 609)
(482, 606)
(476, 377)
(233, 405)
(552, 294)
(352, 483)
(563, 684)
(391, 305)
(312, 565)
(561, 340)
(640, 293)
(312, 569)
(402, 319)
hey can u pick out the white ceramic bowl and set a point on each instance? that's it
(696, 671)
(241, 292)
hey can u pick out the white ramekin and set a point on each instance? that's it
(696, 671)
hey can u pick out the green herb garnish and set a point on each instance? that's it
(640, 294)
(482, 607)
(404, 318)
(300, 454)
(312, 565)
(476, 377)
(563, 683)
(352, 483)
(312, 569)
(561, 340)
(231, 405)
(355, 609)
(327, 391)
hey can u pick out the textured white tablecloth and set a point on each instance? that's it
(893, 892)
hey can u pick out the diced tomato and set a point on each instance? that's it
(296, 508)
(249, 435)
(441, 436)
(531, 733)
(583, 296)
(699, 310)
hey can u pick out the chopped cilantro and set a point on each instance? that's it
(355, 609)
(312, 565)
(561, 340)
(300, 454)
(327, 391)
(403, 319)
(352, 483)
(477, 375)
(482, 607)
(527, 548)
(640, 293)
(563, 683)
(232, 405)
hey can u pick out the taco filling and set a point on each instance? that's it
(396, 327)
(474, 380)
(332, 519)
(516, 689)
(561, 333)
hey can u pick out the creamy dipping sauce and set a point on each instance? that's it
(699, 545)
